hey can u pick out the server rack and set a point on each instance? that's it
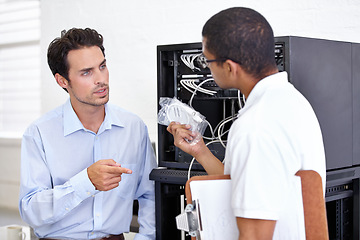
(324, 71)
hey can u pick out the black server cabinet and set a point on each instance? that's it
(173, 71)
(321, 71)
(356, 101)
(326, 72)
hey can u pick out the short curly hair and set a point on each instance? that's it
(244, 36)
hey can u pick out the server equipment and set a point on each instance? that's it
(326, 72)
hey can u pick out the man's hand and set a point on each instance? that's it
(200, 151)
(106, 174)
(182, 133)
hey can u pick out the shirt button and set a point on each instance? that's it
(88, 193)
(98, 215)
(67, 209)
(93, 195)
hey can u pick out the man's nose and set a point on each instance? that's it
(100, 77)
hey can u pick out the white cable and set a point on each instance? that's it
(200, 89)
(184, 84)
(193, 159)
(239, 99)
(230, 117)
(194, 56)
(198, 86)
(192, 84)
(221, 127)
(189, 84)
(188, 60)
(187, 57)
(211, 130)
(183, 58)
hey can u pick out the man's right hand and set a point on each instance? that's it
(200, 151)
(182, 133)
(106, 174)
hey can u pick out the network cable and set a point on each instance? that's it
(198, 87)
(193, 159)
(188, 60)
(190, 85)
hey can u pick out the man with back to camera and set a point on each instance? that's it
(84, 163)
(276, 133)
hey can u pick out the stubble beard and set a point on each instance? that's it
(89, 100)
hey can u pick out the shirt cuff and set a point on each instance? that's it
(82, 185)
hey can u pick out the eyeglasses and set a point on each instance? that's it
(205, 62)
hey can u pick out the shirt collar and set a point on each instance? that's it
(262, 85)
(73, 124)
(111, 119)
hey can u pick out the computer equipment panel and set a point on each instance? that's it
(181, 75)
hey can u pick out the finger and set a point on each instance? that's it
(115, 179)
(118, 170)
(183, 133)
(109, 162)
(173, 126)
(125, 170)
(109, 187)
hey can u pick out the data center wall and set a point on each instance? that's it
(320, 69)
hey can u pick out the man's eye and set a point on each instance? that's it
(103, 66)
(85, 73)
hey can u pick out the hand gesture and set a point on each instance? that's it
(106, 174)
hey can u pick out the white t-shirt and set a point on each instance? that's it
(276, 134)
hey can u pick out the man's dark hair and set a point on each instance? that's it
(244, 36)
(73, 39)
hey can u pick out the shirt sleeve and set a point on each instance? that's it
(258, 176)
(145, 194)
(41, 203)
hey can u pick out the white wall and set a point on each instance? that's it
(133, 29)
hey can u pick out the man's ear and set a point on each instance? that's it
(63, 82)
(232, 69)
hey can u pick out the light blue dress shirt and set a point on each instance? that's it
(58, 200)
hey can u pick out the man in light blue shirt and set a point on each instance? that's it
(84, 163)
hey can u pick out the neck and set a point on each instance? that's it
(91, 116)
(253, 81)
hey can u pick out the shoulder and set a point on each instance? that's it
(49, 119)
